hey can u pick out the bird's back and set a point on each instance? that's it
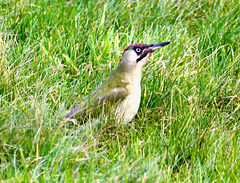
(112, 91)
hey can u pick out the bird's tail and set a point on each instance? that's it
(73, 112)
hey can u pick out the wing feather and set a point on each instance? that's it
(107, 94)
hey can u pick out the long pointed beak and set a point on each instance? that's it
(153, 47)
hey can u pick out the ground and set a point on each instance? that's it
(53, 53)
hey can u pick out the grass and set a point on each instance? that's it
(53, 53)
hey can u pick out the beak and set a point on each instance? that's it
(153, 47)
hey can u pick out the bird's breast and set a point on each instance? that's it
(128, 107)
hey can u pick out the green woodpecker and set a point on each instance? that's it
(121, 92)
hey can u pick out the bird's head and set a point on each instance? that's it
(137, 54)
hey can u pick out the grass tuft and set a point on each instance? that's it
(187, 127)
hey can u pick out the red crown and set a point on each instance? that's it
(131, 45)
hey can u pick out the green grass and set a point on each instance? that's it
(53, 53)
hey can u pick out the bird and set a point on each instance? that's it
(121, 92)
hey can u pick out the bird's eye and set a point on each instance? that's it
(138, 50)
